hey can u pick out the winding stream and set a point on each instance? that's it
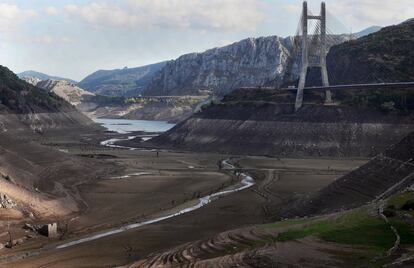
(246, 182)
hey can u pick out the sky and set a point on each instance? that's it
(73, 38)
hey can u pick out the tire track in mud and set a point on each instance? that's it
(246, 182)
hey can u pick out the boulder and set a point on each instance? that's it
(6, 202)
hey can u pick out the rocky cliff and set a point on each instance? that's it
(218, 71)
(250, 62)
(31, 80)
(66, 90)
(263, 122)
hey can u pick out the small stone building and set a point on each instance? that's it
(49, 230)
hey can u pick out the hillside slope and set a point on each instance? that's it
(172, 109)
(42, 76)
(66, 90)
(250, 62)
(384, 56)
(263, 122)
(367, 31)
(31, 174)
(23, 103)
(386, 174)
(120, 82)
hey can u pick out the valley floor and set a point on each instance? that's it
(156, 186)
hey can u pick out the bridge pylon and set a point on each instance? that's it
(313, 60)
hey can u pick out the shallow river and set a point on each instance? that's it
(125, 126)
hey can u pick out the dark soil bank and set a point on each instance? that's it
(262, 122)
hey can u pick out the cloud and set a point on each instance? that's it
(229, 15)
(11, 16)
(292, 8)
(372, 12)
(104, 14)
(51, 11)
(357, 14)
(50, 39)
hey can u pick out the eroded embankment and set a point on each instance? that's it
(384, 175)
(262, 122)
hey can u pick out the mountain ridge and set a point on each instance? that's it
(43, 76)
(367, 31)
(248, 62)
(383, 56)
(120, 82)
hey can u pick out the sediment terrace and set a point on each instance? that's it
(349, 214)
(263, 122)
(384, 175)
(165, 182)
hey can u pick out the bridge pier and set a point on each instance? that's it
(305, 55)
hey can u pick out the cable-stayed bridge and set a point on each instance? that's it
(315, 34)
(310, 46)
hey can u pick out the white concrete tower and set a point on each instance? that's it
(305, 54)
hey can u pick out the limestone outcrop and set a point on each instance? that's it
(6, 202)
(250, 62)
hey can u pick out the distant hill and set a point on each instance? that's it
(24, 104)
(409, 20)
(121, 82)
(367, 31)
(31, 80)
(384, 56)
(19, 96)
(171, 109)
(66, 90)
(43, 76)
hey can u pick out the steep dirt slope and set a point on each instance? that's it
(263, 122)
(38, 177)
(23, 103)
(384, 175)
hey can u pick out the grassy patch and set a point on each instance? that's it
(405, 230)
(289, 222)
(400, 199)
(353, 228)
(371, 233)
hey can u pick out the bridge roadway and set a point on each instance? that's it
(397, 85)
